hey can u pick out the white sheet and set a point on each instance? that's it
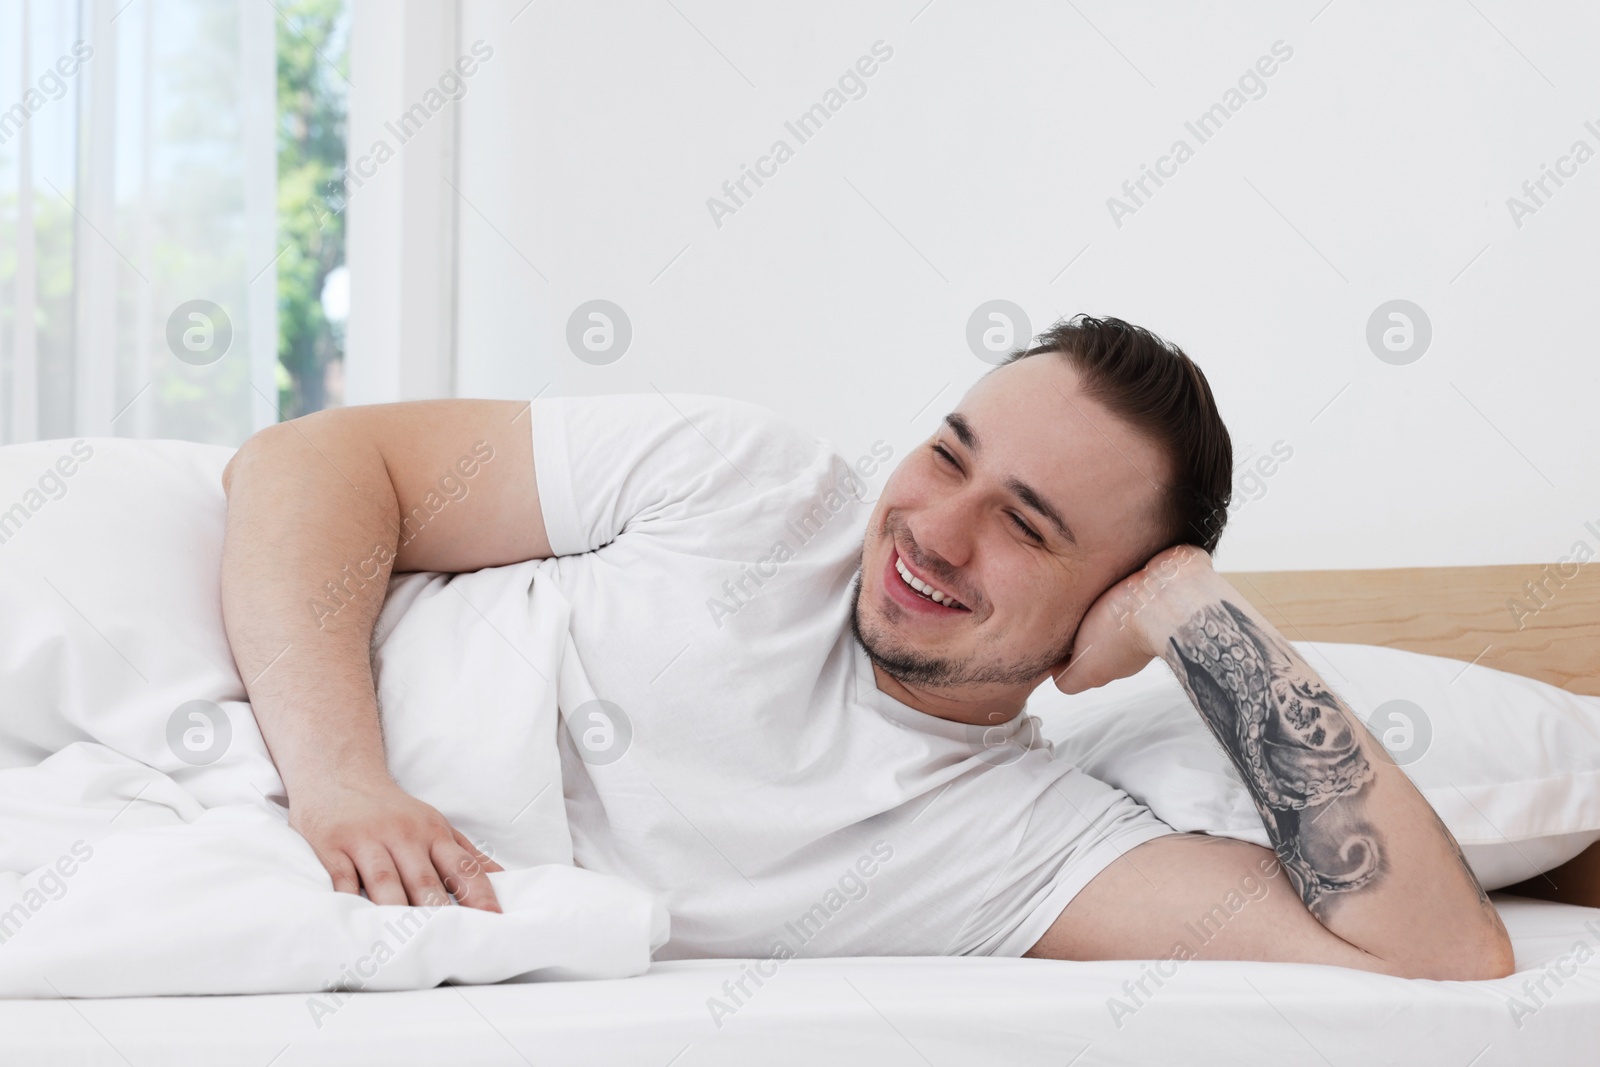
(912, 1010)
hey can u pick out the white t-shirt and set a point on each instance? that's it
(755, 776)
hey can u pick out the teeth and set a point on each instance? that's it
(938, 596)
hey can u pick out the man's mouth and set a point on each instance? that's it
(906, 588)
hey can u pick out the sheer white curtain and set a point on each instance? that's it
(138, 182)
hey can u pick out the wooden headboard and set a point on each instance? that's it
(1482, 614)
(1541, 621)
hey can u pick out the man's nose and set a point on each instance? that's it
(943, 530)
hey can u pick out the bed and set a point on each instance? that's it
(1015, 1011)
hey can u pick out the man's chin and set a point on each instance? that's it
(910, 666)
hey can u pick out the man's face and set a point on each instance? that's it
(1034, 445)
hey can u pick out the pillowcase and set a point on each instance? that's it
(1512, 765)
(111, 632)
(110, 597)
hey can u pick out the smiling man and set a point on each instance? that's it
(844, 766)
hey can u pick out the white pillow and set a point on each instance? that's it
(110, 602)
(111, 631)
(1512, 765)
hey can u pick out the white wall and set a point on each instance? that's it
(401, 226)
(1377, 165)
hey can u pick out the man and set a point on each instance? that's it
(829, 754)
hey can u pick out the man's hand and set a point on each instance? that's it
(402, 851)
(1116, 637)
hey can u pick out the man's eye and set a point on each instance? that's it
(1025, 529)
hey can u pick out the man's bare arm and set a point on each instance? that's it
(1363, 849)
(321, 510)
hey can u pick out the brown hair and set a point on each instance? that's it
(1153, 386)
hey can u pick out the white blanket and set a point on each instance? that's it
(144, 845)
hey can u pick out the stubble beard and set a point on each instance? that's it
(910, 667)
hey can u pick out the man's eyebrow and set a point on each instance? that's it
(1026, 493)
(963, 430)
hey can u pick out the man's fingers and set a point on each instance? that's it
(343, 872)
(419, 878)
(379, 876)
(398, 849)
(1078, 675)
(488, 864)
(465, 875)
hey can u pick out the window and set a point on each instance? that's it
(313, 284)
(159, 276)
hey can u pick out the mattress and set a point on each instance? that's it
(891, 1010)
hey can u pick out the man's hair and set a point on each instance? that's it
(1153, 386)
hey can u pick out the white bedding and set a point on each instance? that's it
(144, 850)
(883, 1011)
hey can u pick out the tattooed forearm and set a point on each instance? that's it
(1296, 746)
(1484, 904)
